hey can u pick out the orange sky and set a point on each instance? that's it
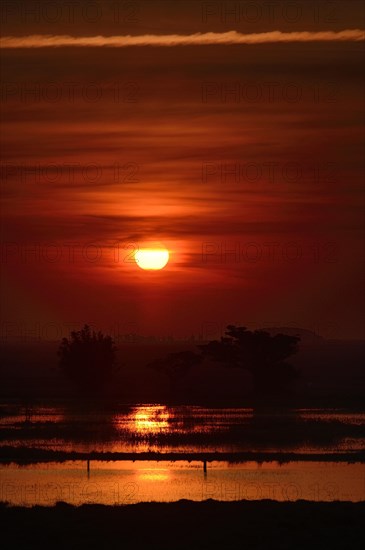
(118, 146)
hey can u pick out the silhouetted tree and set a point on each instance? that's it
(88, 359)
(259, 353)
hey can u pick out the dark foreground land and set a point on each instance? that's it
(186, 524)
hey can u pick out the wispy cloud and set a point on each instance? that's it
(198, 39)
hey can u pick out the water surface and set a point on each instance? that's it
(159, 428)
(126, 482)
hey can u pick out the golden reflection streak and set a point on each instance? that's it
(150, 419)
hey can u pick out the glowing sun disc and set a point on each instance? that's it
(151, 258)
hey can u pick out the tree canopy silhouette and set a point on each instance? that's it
(88, 358)
(259, 353)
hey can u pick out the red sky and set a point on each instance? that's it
(118, 146)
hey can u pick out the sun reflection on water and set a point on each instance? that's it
(156, 476)
(150, 419)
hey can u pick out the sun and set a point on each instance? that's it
(152, 258)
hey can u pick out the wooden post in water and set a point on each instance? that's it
(88, 469)
(205, 467)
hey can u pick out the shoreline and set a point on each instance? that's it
(26, 455)
(187, 524)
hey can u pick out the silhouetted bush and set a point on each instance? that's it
(259, 353)
(88, 359)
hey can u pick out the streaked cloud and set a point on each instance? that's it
(168, 40)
